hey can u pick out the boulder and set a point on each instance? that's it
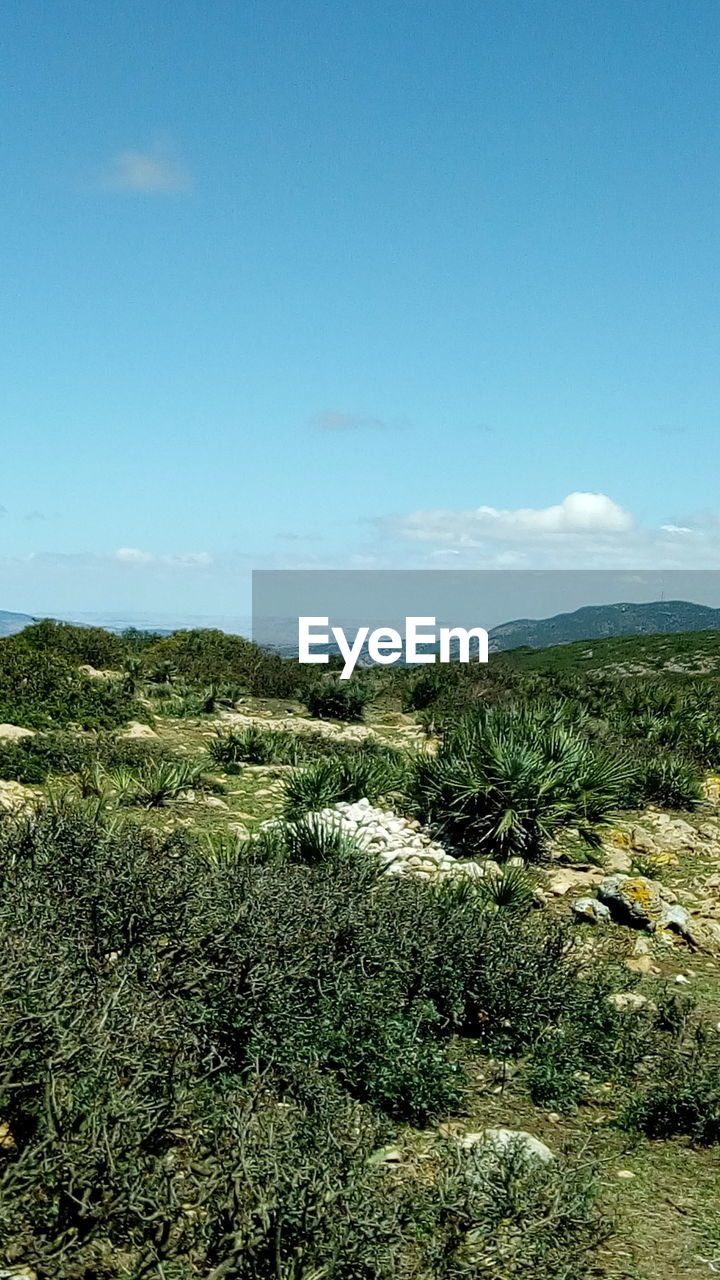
(15, 798)
(629, 1001)
(634, 900)
(675, 917)
(399, 844)
(576, 878)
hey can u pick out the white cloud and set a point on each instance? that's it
(579, 513)
(153, 172)
(585, 530)
(131, 555)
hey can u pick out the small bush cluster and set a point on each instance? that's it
(370, 772)
(337, 699)
(681, 1095)
(42, 689)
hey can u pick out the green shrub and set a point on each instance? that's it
(504, 783)
(501, 1216)
(93, 646)
(669, 781)
(40, 689)
(369, 773)
(337, 699)
(167, 1020)
(254, 745)
(205, 657)
(682, 1094)
(32, 760)
(510, 890)
(154, 784)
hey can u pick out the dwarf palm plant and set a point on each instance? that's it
(365, 774)
(506, 783)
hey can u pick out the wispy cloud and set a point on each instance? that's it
(187, 560)
(152, 172)
(342, 420)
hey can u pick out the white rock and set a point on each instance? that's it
(502, 1140)
(137, 730)
(13, 732)
(628, 1000)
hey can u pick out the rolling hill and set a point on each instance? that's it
(597, 622)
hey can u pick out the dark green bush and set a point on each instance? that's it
(93, 646)
(206, 657)
(682, 1093)
(196, 1059)
(337, 699)
(670, 781)
(40, 689)
(32, 760)
(503, 1216)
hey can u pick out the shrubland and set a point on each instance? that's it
(211, 1038)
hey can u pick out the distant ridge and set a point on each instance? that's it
(597, 622)
(592, 622)
(11, 623)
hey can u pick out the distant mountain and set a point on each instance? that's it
(596, 622)
(11, 623)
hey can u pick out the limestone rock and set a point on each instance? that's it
(629, 1001)
(137, 730)
(632, 899)
(641, 964)
(675, 917)
(500, 1141)
(401, 846)
(592, 910)
(13, 732)
(573, 878)
(15, 798)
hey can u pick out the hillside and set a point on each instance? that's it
(689, 653)
(598, 621)
(11, 623)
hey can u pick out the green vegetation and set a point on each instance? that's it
(337, 699)
(506, 781)
(240, 1051)
(33, 760)
(152, 1039)
(45, 689)
(371, 772)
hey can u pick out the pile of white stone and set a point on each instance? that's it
(400, 844)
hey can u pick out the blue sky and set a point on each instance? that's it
(390, 283)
